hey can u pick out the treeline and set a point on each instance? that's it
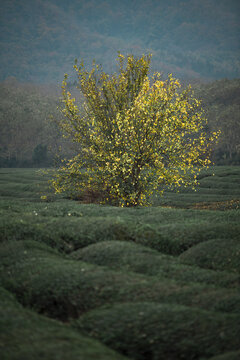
(30, 137)
(221, 102)
(191, 38)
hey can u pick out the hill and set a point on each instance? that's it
(192, 39)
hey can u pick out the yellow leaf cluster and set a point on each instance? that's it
(136, 134)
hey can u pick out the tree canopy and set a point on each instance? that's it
(136, 134)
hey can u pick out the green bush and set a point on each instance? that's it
(64, 259)
(62, 288)
(68, 225)
(26, 335)
(176, 238)
(160, 331)
(232, 355)
(128, 256)
(219, 254)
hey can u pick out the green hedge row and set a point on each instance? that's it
(162, 331)
(25, 335)
(128, 256)
(63, 288)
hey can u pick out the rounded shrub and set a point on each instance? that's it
(218, 254)
(232, 355)
(26, 335)
(150, 331)
(179, 235)
(62, 288)
(122, 255)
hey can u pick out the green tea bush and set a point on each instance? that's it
(69, 225)
(17, 252)
(65, 229)
(64, 259)
(20, 228)
(232, 355)
(26, 335)
(219, 254)
(176, 238)
(232, 183)
(23, 184)
(162, 331)
(122, 255)
(222, 187)
(63, 288)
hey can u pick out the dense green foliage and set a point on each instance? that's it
(26, 335)
(217, 254)
(153, 282)
(162, 331)
(189, 38)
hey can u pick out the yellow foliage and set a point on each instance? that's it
(135, 133)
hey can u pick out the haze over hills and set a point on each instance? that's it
(191, 38)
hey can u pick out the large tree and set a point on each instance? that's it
(135, 133)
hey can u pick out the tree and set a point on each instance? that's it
(25, 110)
(135, 134)
(40, 156)
(220, 100)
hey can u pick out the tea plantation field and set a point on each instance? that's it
(92, 282)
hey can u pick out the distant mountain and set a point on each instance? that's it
(39, 39)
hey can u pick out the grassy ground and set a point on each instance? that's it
(85, 281)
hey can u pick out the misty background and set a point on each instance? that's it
(197, 41)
